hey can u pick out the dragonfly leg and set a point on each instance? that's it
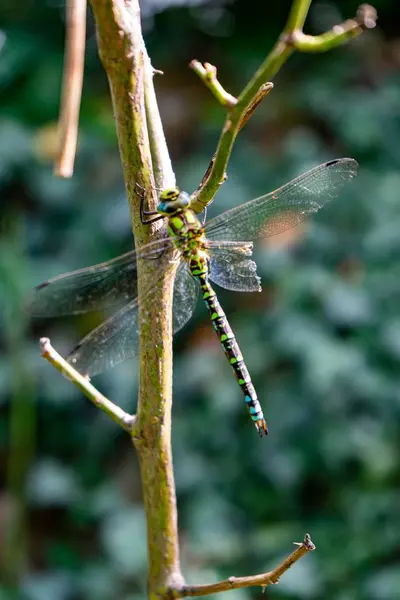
(144, 189)
(147, 216)
(141, 188)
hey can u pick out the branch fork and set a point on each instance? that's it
(292, 38)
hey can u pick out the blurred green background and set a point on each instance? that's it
(322, 341)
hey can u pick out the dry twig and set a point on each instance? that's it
(269, 578)
(74, 61)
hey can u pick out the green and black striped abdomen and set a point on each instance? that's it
(232, 352)
(189, 238)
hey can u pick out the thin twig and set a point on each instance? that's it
(292, 38)
(255, 102)
(208, 74)
(118, 415)
(262, 580)
(72, 87)
(365, 19)
(164, 176)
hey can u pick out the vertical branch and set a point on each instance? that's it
(72, 87)
(297, 16)
(125, 60)
(162, 168)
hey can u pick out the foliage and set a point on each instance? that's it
(321, 341)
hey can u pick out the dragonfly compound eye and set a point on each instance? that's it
(169, 195)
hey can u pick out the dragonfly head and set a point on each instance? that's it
(172, 201)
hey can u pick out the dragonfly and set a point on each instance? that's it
(217, 252)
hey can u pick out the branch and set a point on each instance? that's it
(255, 102)
(118, 415)
(297, 16)
(253, 580)
(125, 60)
(208, 74)
(292, 38)
(162, 167)
(365, 19)
(71, 87)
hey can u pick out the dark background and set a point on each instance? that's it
(322, 341)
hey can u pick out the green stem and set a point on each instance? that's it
(216, 174)
(297, 16)
(291, 39)
(326, 41)
(208, 74)
(83, 384)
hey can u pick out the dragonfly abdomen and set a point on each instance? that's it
(233, 353)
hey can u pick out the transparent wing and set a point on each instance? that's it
(287, 206)
(231, 267)
(186, 291)
(117, 339)
(93, 288)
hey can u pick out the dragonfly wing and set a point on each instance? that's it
(186, 291)
(93, 288)
(232, 269)
(287, 206)
(116, 340)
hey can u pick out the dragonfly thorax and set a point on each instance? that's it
(173, 201)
